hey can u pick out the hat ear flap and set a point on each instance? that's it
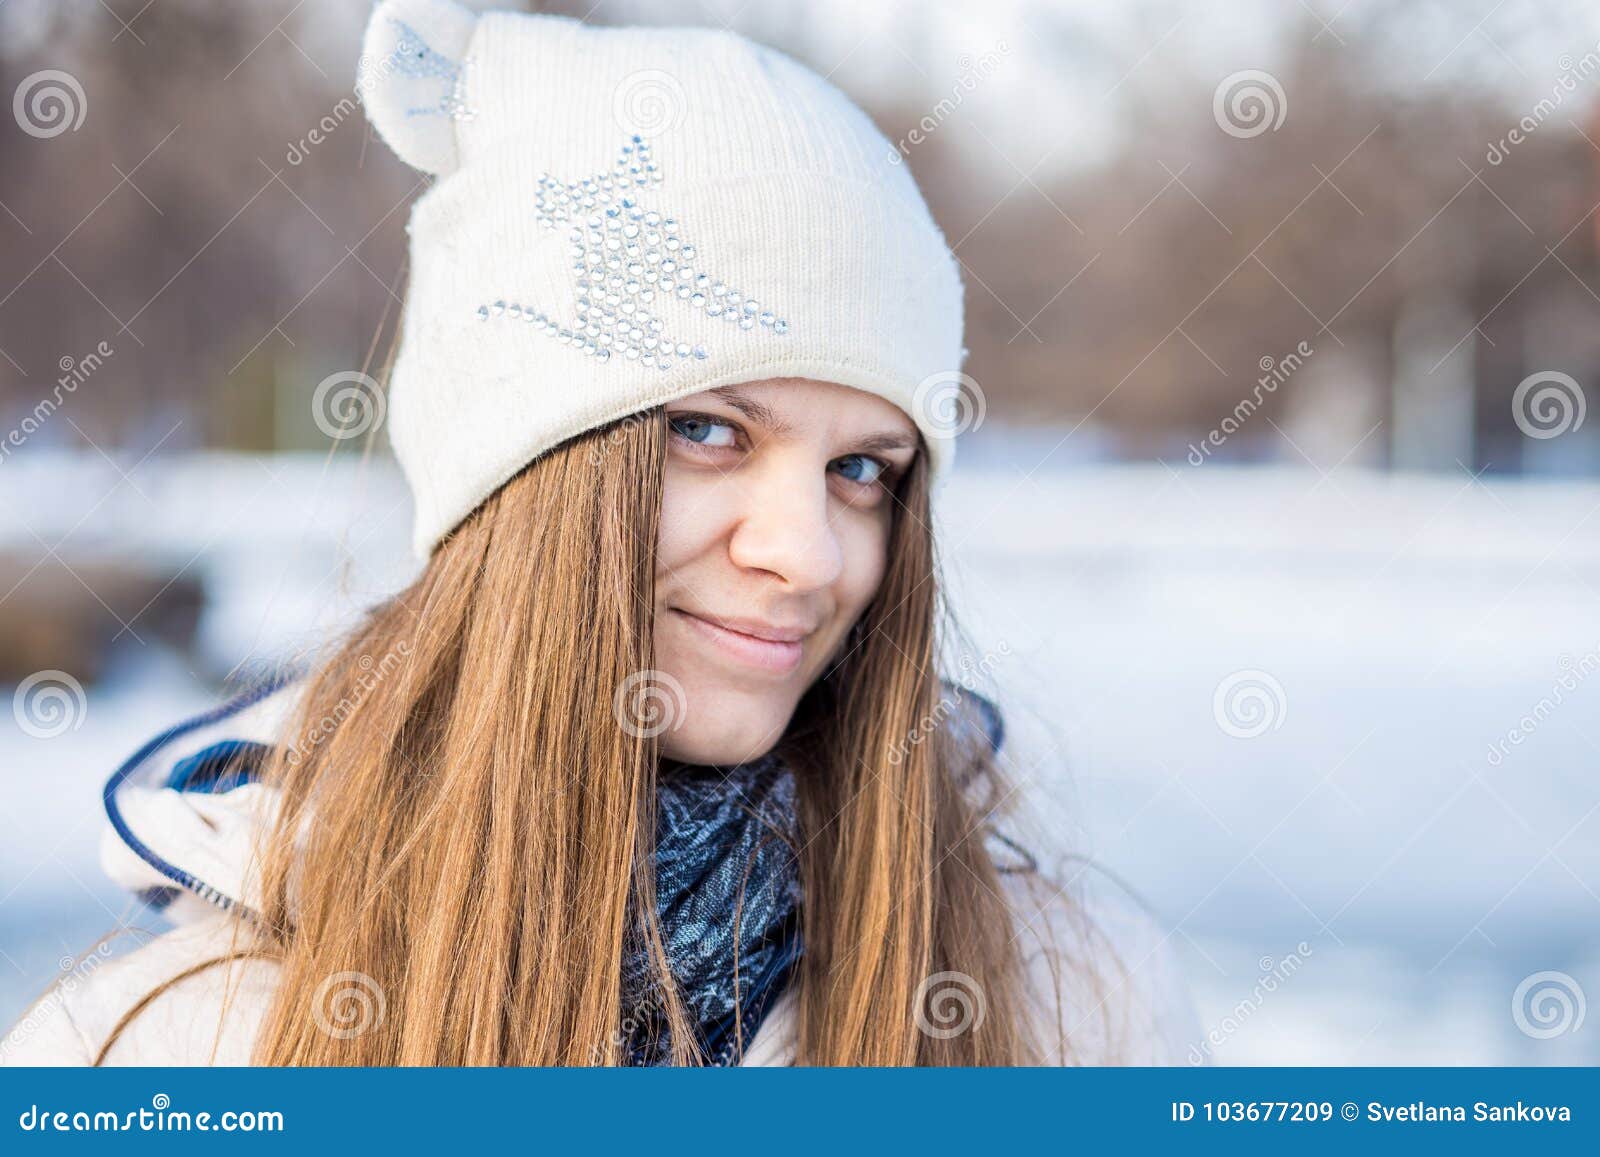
(411, 78)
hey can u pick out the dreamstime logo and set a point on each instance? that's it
(74, 372)
(1249, 703)
(1548, 1004)
(49, 103)
(648, 102)
(49, 703)
(319, 132)
(368, 76)
(600, 449)
(347, 404)
(77, 971)
(948, 702)
(648, 703)
(1274, 373)
(1548, 404)
(970, 74)
(948, 1004)
(372, 672)
(1249, 103)
(348, 1004)
(1565, 85)
(645, 1014)
(1570, 674)
(1272, 975)
(155, 1119)
(948, 404)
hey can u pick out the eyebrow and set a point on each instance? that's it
(766, 416)
(882, 443)
(752, 409)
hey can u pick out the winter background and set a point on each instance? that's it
(1268, 679)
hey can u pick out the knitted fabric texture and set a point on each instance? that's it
(626, 216)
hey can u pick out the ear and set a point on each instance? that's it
(410, 78)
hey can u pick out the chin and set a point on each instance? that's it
(723, 725)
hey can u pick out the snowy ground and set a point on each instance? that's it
(1398, 627)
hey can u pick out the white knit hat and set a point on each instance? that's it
(626, 216)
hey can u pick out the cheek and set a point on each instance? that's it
(864, 543)
(692, 518)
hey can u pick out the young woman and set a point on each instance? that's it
(652, 763)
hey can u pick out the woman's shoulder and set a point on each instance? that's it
(205, 1008)
(1103, 980)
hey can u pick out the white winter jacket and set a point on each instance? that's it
(185, 847)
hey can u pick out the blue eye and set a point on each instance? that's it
(860, 468)
(702, 431)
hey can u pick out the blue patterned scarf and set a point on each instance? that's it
(728, 902)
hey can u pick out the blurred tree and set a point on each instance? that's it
(223, 221)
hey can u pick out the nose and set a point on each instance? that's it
(785, 528)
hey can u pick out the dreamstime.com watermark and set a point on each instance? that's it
(1274, 373)
(367, 73)
(1249, 103)
(49, 703)
(948, 702)
(948, 1004)
(648, 1011)
(1571, 674)
(349, 1004)
(49, 103)
(1548, 1004)
(299, 150)
(1249, 703)
(1548, 404)
(74, 372)
(948, 404)
(613, 437)
(971, 73)
(648, 703)
(648, 102)
(75, 971)
(372, 672)
(1566, 84)
(347, 404)
(1274, 973)
(160, 1117)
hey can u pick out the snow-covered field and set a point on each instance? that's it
(1266, 698)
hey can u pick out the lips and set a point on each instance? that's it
(751, 643)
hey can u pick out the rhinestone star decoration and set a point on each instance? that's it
(625, 256)
(414, 57)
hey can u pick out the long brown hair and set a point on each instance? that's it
(465, 837)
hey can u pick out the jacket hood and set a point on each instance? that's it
(185, 810)
(183, 815)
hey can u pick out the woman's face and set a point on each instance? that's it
(775, 521)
